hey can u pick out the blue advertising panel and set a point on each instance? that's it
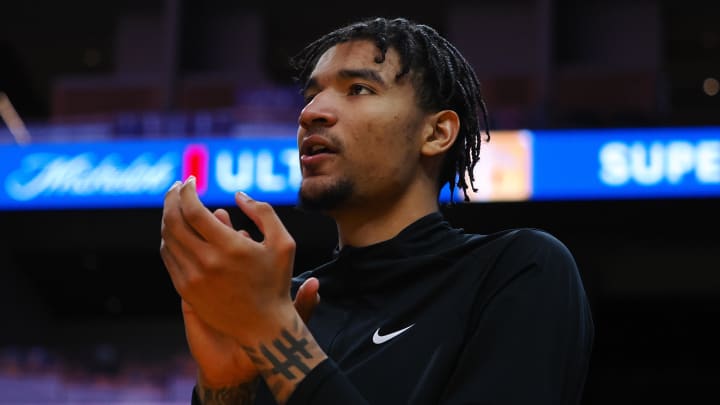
(514, 166)
(138, 173)
(626, 163)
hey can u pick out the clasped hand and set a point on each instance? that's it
(237, 285)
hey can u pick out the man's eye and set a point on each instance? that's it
(358, 89)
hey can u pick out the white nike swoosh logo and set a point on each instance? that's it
(378, 340)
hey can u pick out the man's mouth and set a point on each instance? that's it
(317, 149)
(315, 145)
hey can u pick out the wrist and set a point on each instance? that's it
(224, 381)
(267, 324)
(243, 393)
(284, 355)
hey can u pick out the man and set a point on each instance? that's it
(412, 310)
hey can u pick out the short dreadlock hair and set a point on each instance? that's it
(443, 80)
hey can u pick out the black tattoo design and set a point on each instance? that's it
(243, 394)
(253, 354)
(290, 352)
(285, 360)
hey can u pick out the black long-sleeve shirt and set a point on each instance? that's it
(482, 319)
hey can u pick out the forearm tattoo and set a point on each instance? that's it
(286, 361)
(243, 394)
(292, 352)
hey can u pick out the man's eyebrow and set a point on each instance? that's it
(367, 74)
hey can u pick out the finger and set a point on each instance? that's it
(176, 238)
(307, 298)
(197, 330)
(184, 258)
(189, 314)
(187, 309)
(177, 276)
(174, 227)
(171, 193)
(266, 219)
(170, 204)
(223, 216)
(198, 217)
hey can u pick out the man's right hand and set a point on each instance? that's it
(222, 362)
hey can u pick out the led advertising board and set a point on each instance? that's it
(138, 173)
(514, 166)
(627, 163)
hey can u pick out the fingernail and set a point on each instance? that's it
(177, 183)
(243, 196)
(190, 179)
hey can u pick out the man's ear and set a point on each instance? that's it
(442, 130)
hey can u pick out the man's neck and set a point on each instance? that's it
(364, 226)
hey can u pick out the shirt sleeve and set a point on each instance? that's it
(326, 384)
(533, 331)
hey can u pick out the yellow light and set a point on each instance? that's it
(711, 86)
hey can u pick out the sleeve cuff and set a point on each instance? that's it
(325, 384)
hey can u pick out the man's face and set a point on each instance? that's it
(359, 133)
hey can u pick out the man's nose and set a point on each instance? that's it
(319, 111)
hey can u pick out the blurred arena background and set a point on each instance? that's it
(87, 310)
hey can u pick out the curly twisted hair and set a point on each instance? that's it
(443, 79)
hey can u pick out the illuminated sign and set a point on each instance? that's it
(650, 164)
(628, 163)
(504, 172)
(138, 173)
(514, 166)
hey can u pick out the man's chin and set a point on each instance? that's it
(327, 199)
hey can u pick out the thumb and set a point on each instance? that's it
(307, 298)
